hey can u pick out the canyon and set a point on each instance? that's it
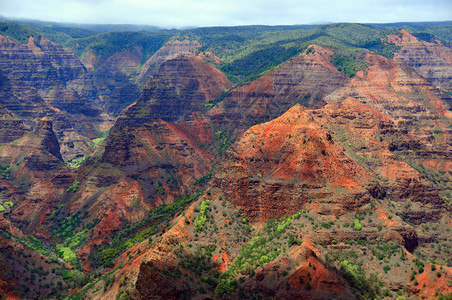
(153, 173)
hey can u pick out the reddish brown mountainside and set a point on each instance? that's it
(305, 79)
(35, 161)
(276, 167)
(181, 88)
(432, 60)
(324, 186)
(148, 161)
(170, 50)
(54, 72)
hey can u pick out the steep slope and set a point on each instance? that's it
(35, 164)
(431, 59)
(417, 129)
(73, 131)
(11, 128)
(114, 81)
(317, 161)
(42, 79)
(120, 77)
(170, 50)
(305, 79)
(51, 70)
(146, 161)
(277, 167)
(345, 197)
(179, 90)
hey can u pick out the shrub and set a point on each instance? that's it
(419, 264)
(74, 187)
(202, 217)
(226, 285)
(357, 225)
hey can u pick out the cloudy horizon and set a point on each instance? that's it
(185, 13)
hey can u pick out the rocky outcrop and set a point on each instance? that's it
(10, 127)
(305, 79)
(42, 69)
(153, 146)
(153, 285)
(170, 50)
(24, 102)
(281, 166)
(431, 59)
(49, 142)
(114, 79)
(146, 160)
(51, 70)
(35, 162)
(73, 133)
(180, 88)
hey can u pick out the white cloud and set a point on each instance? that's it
(234, 12)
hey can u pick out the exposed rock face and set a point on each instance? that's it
(156, 145)
(276, 167)
(50, 69)
(170, 50)
(44, 131)
(376, 149)
(114, 79)
(14, 260)
(35, 160)
(325, 283)
(389, 116)
(153, 285)
(23, 101)
(148, 161)
(10, 127)
(305, 79)
(431, 59)
(181, 87)
(44, 69)
(364, 127)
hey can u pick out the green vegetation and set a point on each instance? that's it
(131, 235)
(64, 228)
(5, 172)
(74, 187)
(223, 142)
(160, 189)
(345, 64)
(107, 44)
(202, 216)
(248, 52)
(202, 180)
(259, 251)
(385, 250)
(98, 141)
(419, 264)
(355, 273)
(17, 32)
(9, 203)
(2, 208)
(67, 254)
(77, 161)
(357, 225)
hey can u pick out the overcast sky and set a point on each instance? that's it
(180, 13)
